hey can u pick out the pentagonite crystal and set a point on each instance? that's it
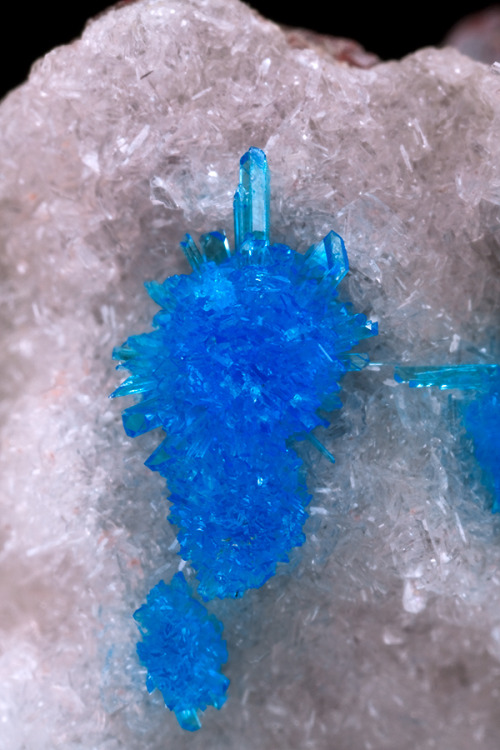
(182, 650)
(246, 352)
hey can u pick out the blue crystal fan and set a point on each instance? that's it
(246, 351)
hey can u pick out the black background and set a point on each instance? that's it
(391, 31)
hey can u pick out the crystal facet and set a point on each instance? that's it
(330, 253)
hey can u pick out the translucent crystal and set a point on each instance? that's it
(191, 252)
(463, 377)
(251, 200)
(215, 246)
(329, 256)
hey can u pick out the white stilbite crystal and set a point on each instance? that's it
(384, 630)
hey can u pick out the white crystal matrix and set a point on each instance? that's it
(384, 631)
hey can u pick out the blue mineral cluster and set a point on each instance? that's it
(481, 412)
(247, 351)
(182, 650)
(246, 356)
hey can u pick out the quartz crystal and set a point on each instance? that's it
(383, 630)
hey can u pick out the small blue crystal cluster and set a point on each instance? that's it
(481, 412)
(247, 352)
(183, 651)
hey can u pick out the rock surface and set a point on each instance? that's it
(384, 631)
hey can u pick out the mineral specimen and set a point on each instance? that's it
(384, 629)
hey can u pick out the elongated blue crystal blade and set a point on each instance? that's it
(251, 200)
(318, 445)
(191, 252)
(482, 421)
(481, 415)
(444, 377)
(240, 213)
